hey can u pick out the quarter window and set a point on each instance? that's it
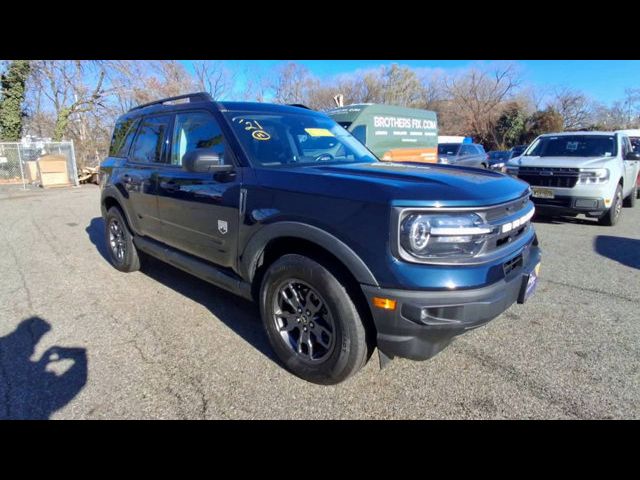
(151, 140)
(123, 134)
(193, 131)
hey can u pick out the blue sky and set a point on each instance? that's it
(603, 80)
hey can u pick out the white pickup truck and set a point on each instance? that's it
(593, 173)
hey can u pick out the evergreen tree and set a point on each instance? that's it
(12, 97)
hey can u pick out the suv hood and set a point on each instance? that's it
(560, 162)
(400, 184)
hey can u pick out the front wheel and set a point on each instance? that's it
(311, 321)
(122, 251)
(611, 216)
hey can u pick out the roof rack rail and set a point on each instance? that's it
(299, 105)
(193, 97)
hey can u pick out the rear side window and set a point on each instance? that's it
(123, 134)
(467, 150)
(626, 147)
(149, 146)
(635, 143)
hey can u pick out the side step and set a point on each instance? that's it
(193, 265)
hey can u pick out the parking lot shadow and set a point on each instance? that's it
(34, 389)
(623, 250)
(237, 313)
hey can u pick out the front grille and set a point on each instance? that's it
(502, 214)
(549, 177)
(496, 213)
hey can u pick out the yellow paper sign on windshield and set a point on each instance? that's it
(318, 132)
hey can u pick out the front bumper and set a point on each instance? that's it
(425, 322)
(570, 205)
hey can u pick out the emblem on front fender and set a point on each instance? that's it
(223, 227)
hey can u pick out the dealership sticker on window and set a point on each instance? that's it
(572, 145)
(257, 132)
(319, 132)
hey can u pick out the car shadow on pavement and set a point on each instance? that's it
(240, 315)
(95, 230)
(34, 389)
(562, 220)
(623, 250)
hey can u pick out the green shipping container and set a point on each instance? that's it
(392, 133)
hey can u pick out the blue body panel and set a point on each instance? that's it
(353, 203)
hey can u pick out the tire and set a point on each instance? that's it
(611, 216)
(630, 201)
(119, 240)
(298, 293)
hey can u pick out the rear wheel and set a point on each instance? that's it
(122, 251)
(611, 216)
(311, 321)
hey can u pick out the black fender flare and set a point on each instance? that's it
(115, 194)
(256, 245)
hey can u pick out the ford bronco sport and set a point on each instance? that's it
(341, 251)
(580, 172)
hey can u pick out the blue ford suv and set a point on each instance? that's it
(342, 252)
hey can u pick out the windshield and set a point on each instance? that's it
(279, 139)
(448, 149)
(574, 146)
(501, 155)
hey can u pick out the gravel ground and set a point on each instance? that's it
(79, 339)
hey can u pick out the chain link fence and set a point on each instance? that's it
(19, 163)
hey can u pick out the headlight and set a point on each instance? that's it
(443, 160)
(591, 176)
(511, 170)
(431, 236)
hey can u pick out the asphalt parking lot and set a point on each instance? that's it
(78, 339)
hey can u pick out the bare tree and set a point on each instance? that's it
(256, 84)
(475, 96)
(292, 83)
(573, 106)
(72, 86)
(213, 77)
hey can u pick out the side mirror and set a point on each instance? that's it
(204, 161)
(632, 156)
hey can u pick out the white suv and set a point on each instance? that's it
(594, 173)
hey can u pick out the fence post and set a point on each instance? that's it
(24, 183)
(75, 166)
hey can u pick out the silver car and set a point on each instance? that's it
(464, 154)
(593, 173)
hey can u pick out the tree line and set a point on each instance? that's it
(80, 100)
